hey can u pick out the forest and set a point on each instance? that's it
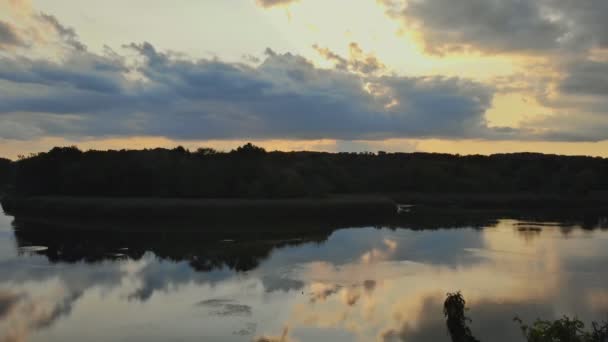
(251, 172)
(5, 173)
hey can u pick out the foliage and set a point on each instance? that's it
(5, 173)
(250, 171)
(560, 330)
(456, 321)
(563, 330)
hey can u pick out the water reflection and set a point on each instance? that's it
(203, 251)
(364, 284)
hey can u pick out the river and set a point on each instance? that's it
(349, 284)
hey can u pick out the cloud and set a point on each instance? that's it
(362, 62)
(25, 314)
(339, 61)
(38, 33)
(9, 37)
(586, 77)
(319, 292)
(20, 5)
(358, 61)
(574, 125)
(350, 296)
(143, 91)
(78, 72)
(568, 81)
(577, 101)
(67, 34)
(8, 301)
(274, 3)
(586, 20)
(272, 284)
(510, 26)
(284, 337)
(225, 307)
(284, 97)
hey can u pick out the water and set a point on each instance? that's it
(354, 284)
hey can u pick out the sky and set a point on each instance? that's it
(455, 76)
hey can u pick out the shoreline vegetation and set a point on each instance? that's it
(280, 216)
(565, 329)
(374, 205)
(252, 184)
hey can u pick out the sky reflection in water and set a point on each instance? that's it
(364, 284)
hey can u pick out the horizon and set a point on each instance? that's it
(391, 75)
(304, 170)
(194, 149)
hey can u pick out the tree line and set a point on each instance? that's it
(251, 172)
(5, 173)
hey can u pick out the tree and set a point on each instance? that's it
(250, 149)
(456, 321)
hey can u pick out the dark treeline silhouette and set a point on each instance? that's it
(251, 172)
(5, 173)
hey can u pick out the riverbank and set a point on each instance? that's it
(367, 205)
(300, 215)
(211, 210)
(502, 201)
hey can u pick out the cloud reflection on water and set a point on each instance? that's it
(360, 284)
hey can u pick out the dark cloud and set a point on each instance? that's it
(87, 73)
(284, 97)
(527, 26)
(67, 34)
(586, 78)
(585, 19)
(499, 26)
(273, 3)
(9, 36)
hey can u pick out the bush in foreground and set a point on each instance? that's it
(561, 330)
